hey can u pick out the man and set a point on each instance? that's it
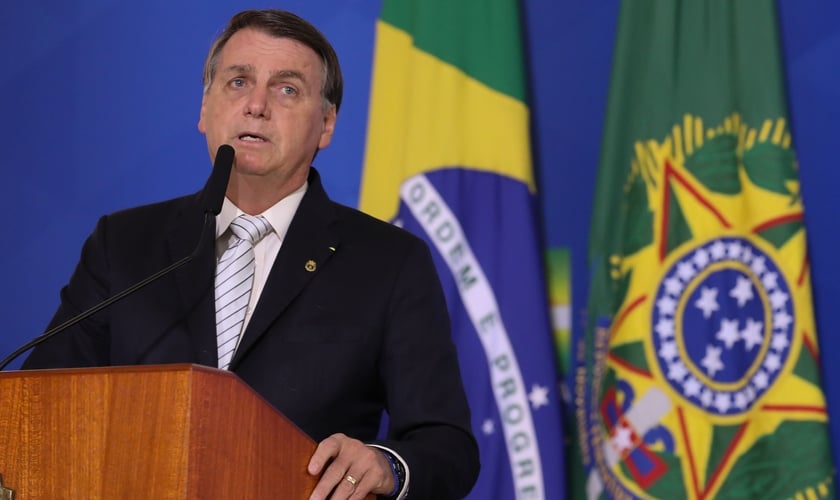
(342, 315)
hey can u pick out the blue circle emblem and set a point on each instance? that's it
(723, 320)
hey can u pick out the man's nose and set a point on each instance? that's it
(257, 103)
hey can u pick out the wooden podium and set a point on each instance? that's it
(156, 432)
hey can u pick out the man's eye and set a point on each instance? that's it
(287, 90)
(237, 83)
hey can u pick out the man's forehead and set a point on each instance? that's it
(250, 41)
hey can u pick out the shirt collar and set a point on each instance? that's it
(278, 215)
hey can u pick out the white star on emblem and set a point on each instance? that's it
(741, 401)
(718, 250)
(711, 361)
(760, 380)
(665, 328)
(722, 402)
(685, 271)
(780, 342)
(668, 351)
(733, 250)
(742, 292)
(759, 265)
(706, 397)
(622, 440)
(488, 427)
(773, 362)
(770, 281)
(752, 334)
(701, 258)
(673, 286)
(666, 306)
(677, 371)
(748, 256)
(692, 387)
(728, 333)
(708, 301)
(781, 320)
(538, 396)
(778, 299)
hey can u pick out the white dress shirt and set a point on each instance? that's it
(280, 217)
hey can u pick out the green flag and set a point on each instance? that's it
(700, 376)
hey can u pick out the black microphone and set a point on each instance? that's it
(213, 196)
(217, 183)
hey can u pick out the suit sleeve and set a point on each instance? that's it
(429, 418)
(86, 343)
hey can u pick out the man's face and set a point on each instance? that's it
(265, 101)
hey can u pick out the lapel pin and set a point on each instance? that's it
(310, 266)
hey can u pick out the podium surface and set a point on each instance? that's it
(156, 431)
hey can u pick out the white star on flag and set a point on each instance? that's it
(712, 361)
(487, 427)
(708, 301)
(742, 292)
(686, 271)
(622, 440)
(538, 396)
(728, 333)
(753, 333)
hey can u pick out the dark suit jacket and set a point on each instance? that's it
(365, 331)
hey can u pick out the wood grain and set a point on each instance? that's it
(162, 432)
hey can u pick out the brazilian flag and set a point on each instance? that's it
(448, 158)
(701, 378)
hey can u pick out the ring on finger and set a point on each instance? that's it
(350, 479)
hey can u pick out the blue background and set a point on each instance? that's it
(100, 101)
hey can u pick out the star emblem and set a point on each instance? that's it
(708, 301)
(712, 361)
(622, 440)
(742, 292)
(488, 427)
(728, 333)
(538, 396)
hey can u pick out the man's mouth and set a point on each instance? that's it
(250, 137)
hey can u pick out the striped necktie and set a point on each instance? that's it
(234, 281)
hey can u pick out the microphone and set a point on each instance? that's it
(213, 196)
(214, 190)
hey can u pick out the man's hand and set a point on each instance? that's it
(349, 469)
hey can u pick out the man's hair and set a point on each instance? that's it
(282, 24)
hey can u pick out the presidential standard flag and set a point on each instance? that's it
(448, 158)
(701, 378)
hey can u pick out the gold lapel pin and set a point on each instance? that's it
(310, 266)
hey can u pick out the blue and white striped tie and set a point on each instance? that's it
(234, 281)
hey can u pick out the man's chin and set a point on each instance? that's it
(250, 170)
(249, 163)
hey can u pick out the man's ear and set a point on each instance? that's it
(201, 127)
(330, 118)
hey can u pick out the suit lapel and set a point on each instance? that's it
(312, 239)
(195, 279)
